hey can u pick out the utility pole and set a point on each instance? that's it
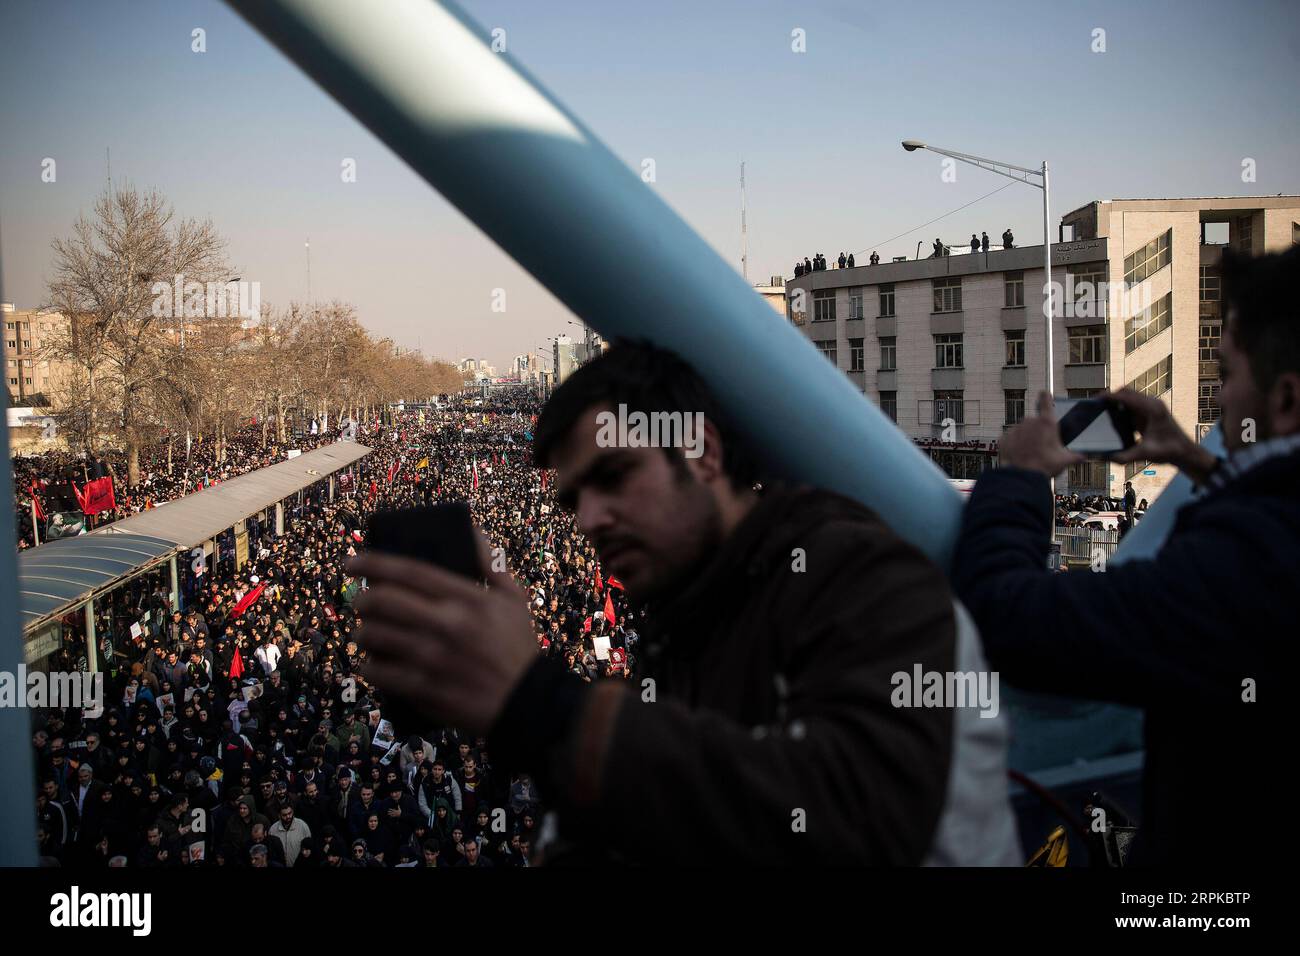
(744, 231)
(308, 245)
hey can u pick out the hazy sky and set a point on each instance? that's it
(1183, 92)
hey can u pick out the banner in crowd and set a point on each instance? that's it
(247, 600)
(97, 496)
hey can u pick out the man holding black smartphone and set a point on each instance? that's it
(1190, 635)
(778, 621)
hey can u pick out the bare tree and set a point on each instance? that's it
(115, 277)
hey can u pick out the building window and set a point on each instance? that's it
(1156, 380)
(1014, 284)
(947, 294)
(1083, 392)
(856, 362)
(887, 299)
(855, 303)
(1141, 328)
(9, 326)
(1244, 228)
(1133, 467)
(1015, 348)
(889, 405)
(1207, 409)
(13, 381)
(1211, 292)
(1089, 478)
(830, 350)
(1088, 345)
(888, 353)
(1148, 260)
(1211, 335)
(1086, 287)
(948, 350)
(13, 344)
(27, 381)
(1015, 400)
(1211, 284)
(949, 405)
(960, 464)
(824, 305)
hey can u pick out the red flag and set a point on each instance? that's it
(543, 480)
(476, 473)
(237, 666)
(247, 600)
(36, 504)
(374, 488)
(609, 607)
(599, 583)
(614, 582)
(392, 472)
(97, 496)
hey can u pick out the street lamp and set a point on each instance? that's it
(1023, 175)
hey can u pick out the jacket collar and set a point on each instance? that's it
(1257, 466)
(746, 552)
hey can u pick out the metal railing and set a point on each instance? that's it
(1083, 544)
(936, 411)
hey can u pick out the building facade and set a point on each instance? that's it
(30, 376)
(954, 348)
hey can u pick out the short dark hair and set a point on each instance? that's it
(1265, 322)
(647, 379)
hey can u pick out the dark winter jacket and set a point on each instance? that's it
(1185, 635)
(770, 727)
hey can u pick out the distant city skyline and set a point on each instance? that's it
(1183, 94)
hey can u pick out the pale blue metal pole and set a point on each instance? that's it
(480, 130)
(17, 776)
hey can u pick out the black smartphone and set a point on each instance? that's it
(1094, 427)
(442, 534)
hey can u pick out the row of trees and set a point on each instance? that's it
(132, 371)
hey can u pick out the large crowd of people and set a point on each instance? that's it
(239, 732)
(166, 473)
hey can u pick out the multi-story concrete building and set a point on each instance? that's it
(954, 348)
(565, 357)
(477, 369)
(30, 376)
(773, 293)
(526, 368)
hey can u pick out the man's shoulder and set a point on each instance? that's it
(836, 526)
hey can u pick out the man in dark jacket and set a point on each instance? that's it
(780, 626)
(1194, 633)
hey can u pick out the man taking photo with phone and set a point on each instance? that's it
(1193, 634)
(764, 711)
